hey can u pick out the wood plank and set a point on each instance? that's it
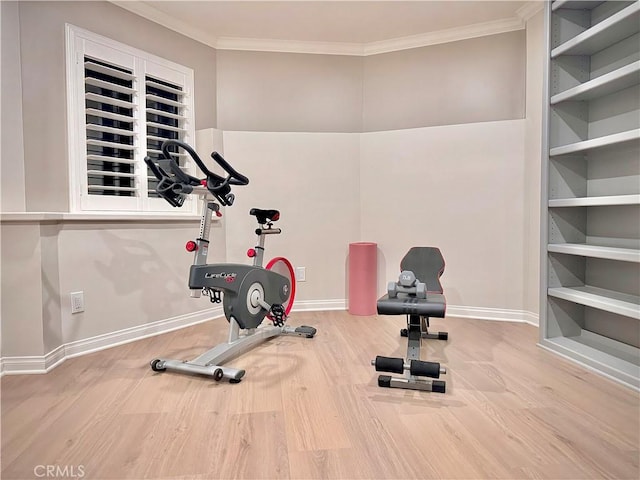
(312, 409)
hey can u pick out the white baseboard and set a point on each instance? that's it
(495, 314)
(478, 313)
(24, 365)
(531, 318)
(319, 305)
(43, 364)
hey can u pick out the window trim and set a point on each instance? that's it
(76, 124)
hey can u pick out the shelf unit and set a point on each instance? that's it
(590, 269)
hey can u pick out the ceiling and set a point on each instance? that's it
(335, 22)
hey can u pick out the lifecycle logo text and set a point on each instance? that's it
(228, 277)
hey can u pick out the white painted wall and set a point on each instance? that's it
(455, 187)
(532, 162)
(314, 180)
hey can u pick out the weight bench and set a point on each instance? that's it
(427, 265)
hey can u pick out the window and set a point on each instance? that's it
(122, 104)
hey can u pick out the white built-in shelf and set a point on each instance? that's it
(594, 143)
(575, 4)
(619, 360)
(617, 27)
(611, 82)
(594, 251)
(594, 297)
(590, 300)
(609, 200)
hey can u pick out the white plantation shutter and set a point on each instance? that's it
(165, 119)
(123, 103)
(110, 117)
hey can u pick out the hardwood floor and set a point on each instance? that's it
(311, 408)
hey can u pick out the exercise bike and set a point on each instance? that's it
(248, 293)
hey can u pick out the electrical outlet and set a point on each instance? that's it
(77, 302)
(301, 274)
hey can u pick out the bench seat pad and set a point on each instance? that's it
(435, 305)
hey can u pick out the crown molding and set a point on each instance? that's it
(289, 46)
(150, 13)
(444, 36)
(529, 9)
(335, 48)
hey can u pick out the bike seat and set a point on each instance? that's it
(265, 216)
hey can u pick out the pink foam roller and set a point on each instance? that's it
(363, 278)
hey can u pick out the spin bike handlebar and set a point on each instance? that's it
(174, 190)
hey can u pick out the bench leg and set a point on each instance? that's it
(414, 368)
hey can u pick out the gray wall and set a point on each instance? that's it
(42, 48)
(477, 80)
(21, 301)
(131, 274)
(12, 195)
(289, 92)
